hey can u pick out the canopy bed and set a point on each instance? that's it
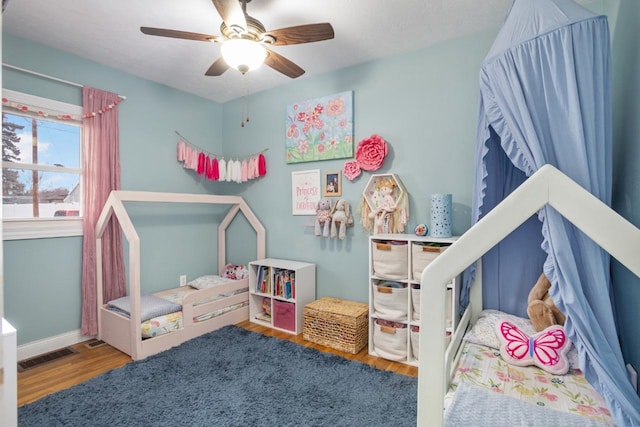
(545, 99)
(547, 188)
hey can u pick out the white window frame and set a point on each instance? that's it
(41, 228)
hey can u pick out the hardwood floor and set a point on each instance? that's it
(68, 371)
(87, 363)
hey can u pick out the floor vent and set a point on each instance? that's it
(94, 343)
(23, 365)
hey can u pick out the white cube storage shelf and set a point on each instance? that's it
(396, 262)
(278, 291)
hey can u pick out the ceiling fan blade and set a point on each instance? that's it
(301, 34)
(217, 68)
(232, 14)
(180, 34)
(283, 65)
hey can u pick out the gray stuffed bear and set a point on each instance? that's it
(323, 217)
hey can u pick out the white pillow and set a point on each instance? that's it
(483, 332)
(205, 282)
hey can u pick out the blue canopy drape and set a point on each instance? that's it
(545, 97)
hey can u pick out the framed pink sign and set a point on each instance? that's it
(305, 191)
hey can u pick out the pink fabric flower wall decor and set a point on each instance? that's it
(351, 170)
(371, 152)
(370, 155)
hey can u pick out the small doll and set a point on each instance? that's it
(384, 206)
(383, 215)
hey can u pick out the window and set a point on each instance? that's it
(41, 167)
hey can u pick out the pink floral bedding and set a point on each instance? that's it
(483, 366)
(173, 321)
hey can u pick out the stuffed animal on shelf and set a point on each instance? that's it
(541, 309)
(235, 272)
(341, 218)
(323, 217)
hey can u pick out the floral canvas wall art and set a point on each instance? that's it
(320, 129)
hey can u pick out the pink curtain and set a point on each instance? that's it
(101, 160)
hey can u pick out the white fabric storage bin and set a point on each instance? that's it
(415, 302)
(414, 338)
(421, 256)
(390, 342)
(390, 259)
(390, 300)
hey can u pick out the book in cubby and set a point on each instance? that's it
(278, 291)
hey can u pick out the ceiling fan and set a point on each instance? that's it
(245, 41)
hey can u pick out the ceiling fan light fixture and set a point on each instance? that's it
(243, 55)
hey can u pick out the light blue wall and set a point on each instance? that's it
(424, 104)
(42, 277)
(626, 152)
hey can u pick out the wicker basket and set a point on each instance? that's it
(337, 323)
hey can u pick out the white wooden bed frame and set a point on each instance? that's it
(124, 333)
(547, 186)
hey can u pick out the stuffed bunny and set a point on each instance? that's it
(340, 219)
(323, 217)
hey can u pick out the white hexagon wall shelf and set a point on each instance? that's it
(383, 190)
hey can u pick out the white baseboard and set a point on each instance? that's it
(35, 348)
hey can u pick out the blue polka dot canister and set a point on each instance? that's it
(441, 215)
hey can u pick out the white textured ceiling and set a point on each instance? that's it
(108, 32)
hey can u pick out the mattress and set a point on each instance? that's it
(484, 374)
(160, 325)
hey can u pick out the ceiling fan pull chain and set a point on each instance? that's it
(248, 91)
(244, 105)
(242, 111)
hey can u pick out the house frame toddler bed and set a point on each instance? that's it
(547, 186)
(124, 333)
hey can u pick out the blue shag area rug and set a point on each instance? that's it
(233, 377)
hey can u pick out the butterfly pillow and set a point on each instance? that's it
(546, 349)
